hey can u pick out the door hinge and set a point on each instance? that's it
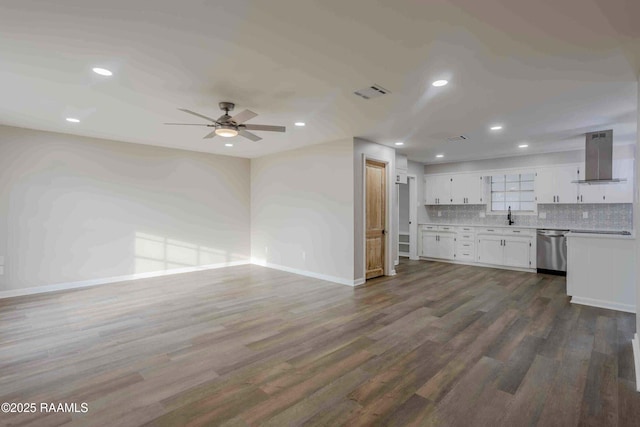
(529, 244)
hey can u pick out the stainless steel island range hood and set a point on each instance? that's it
(599, 158)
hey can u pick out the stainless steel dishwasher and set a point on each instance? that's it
(552, 252)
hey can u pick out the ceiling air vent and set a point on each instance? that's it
(458, 138)
(372, 91)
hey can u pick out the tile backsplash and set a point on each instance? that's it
(617, 216)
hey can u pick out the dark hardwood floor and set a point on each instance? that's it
(438, 344)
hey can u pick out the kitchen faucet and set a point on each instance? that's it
(509, 217)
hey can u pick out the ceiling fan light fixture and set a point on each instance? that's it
(226, 131)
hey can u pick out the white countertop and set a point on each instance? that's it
(595, 235)
(486, 225)
(529, 227)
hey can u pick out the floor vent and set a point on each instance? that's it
(458, 138)
(373, 91)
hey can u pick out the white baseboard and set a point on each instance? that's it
(478, 264)
(359, 282)
(636, 358)
(313, 274)
(629, 308)
(103, 281)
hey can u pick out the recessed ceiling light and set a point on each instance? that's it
(228, 145)
(300, 124)
(439, 156)
(523, 145)
(439, 83)
(399, 143)
(496, 127)
(73, 120)
(102, 71)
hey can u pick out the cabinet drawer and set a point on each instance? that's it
(490, 230)
(466, 256)
(445, 228)
(466, 236)
(429, 227)
(466, 229)
(519, 231)
(466, 246)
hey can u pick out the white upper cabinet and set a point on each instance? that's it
(437, 189)
(454, 189)
(621, 192)
(467, 189)
(401, 168)
(555, 184)
(615, 192)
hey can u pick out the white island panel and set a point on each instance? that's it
(601, 271)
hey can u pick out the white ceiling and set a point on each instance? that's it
(547, 70)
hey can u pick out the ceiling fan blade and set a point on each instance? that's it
(187, 124)
(198, 115)
(266, 127)
(210, 135)
(243, 116)
(249, 135)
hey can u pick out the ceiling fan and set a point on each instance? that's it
(227, 126)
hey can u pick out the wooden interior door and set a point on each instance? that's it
(375, 205)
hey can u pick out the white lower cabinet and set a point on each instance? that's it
(517, 252)
(438, 244)
(505, 250)
(499, 246)
(490, 249)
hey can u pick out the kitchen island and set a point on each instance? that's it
(601, 270)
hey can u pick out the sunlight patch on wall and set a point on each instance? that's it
(156, 253)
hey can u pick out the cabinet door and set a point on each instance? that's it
(446, 246)
(490, 249)
(545, 185)
(566, 191)
(595, 193)
(554, 184)
(430, 244)
(459, 188)
(621, 192)
(466, 189)
(443, 189)
(517, 252)
(475, 194)
(430, 186)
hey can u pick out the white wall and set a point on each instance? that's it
(548, 159)
(403, 207)
(417, 169)
(636, 227)
(387, 154)
(302, 210)
(75, 208)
